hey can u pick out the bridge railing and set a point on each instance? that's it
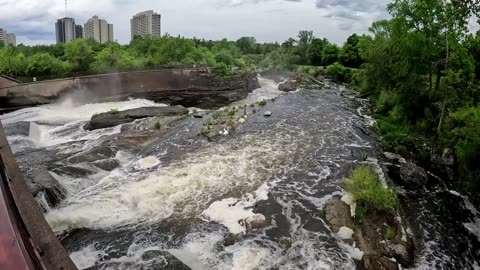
(26, 239)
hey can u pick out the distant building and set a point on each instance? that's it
(11, 39)
(65, 30)
(98, 29)
(3, 36)
(146, 23)
(78, 31)
(7, 39)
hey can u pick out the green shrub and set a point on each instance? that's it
(216, 115)
(340, 73)
(114, 111)
(464, 127)
(262, 103)
(368, 191)
(158, 125)
(389, 234)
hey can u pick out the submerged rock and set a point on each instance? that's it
(267, 114)
(111, 119)
(92, 155)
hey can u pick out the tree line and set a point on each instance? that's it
(420, 69)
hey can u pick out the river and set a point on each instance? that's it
(176, 202)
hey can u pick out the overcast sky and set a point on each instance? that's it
(33, 21)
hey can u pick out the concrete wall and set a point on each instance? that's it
(118, 86)
(6, 82)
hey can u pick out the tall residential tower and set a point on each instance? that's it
(65, 30)
(98, 29)
(146, 23)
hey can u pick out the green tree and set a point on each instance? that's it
(349, 54)
(330, 54)
(316, 50)
(304, 43)
(79, 52)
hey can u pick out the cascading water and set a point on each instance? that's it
(176, 203)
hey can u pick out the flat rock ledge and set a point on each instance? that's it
(115, 118)
(381, 237)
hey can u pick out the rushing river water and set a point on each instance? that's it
(181, 197)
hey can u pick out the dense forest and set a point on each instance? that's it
(421, 70)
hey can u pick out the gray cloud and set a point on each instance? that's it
(268, 20)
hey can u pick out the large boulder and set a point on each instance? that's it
(338, 214)
(289, 86)
(114, 118)
(92, 155)
(43, 181)
(372, 262)
(412, 176)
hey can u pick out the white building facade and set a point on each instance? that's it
(98, 29)
(146, 23)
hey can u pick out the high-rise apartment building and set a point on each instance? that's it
(78, 31)
(7, 38)
(98, 29)
(146, 23)
(11, 39)
(65, 30)
(3, 36)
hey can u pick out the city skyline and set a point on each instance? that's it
(267, 20)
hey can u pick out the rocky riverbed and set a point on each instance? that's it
(242, 187)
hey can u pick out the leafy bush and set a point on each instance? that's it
(262, 103)
(340, 73)
(158, 125)
(312, 71)
(369, 192)
(465, 134)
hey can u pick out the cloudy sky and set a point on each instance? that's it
(33, 21)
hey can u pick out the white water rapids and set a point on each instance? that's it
(176, 203)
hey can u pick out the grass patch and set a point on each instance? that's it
(158, 125)
(262, 103)
(389, 234)
(114, 111)
(369, 192)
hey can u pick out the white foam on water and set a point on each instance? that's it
(474, 227)
(87, 256)
(268, 90)
(147, 163)
(185, 187)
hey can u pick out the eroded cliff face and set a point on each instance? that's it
(187, 87)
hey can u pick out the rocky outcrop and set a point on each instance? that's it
(337, 214)
(43, 181)
(381, 236)
(186, 87)
(114, 118)
(412, 176)
(289, 86)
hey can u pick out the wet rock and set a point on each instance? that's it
(371, 238)
(373, 262)
(197, 115)
(18, 128)
(448, 157)
(107, 164)
(92, 155)
(412, 176)
(256, 222)
(267, 114)
(231, 239)
(111, 119)
(394, 157)
(43, 181)
(337, 214)
(72, 171)
(288, 86)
